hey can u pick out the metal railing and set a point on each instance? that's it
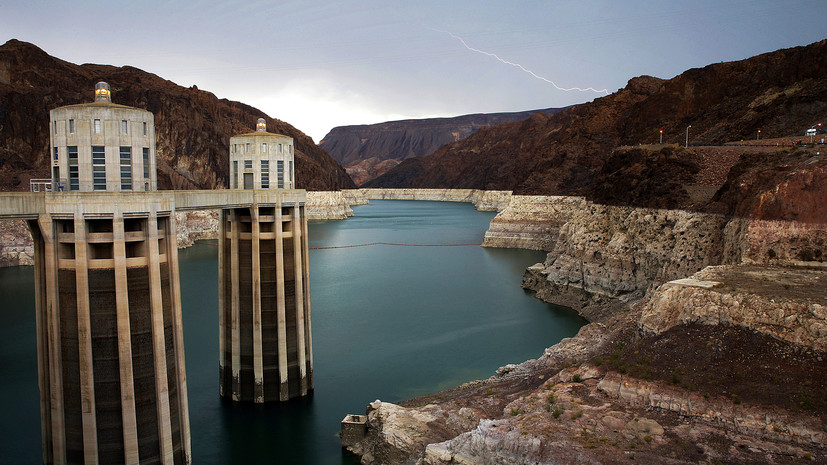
(47, 185)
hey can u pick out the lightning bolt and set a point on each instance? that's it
(521, 67)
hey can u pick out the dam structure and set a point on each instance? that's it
(264, 295)
(110, 349)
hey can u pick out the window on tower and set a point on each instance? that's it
(98, 168)
(126, 168)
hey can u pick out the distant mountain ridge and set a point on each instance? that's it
(781, 93)
(368, 150)
(192, 127)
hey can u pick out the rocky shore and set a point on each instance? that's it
(671, 380)
(707, 344)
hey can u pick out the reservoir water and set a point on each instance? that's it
(389, 323)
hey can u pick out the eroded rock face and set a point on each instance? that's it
(327, 205)
(786, 303)
(15, 244)
(621, 252)
(531, 222)
(397, 434)
(191, 226)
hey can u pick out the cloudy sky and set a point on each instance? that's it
(320, 64)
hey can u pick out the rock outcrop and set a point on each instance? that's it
(531, 221)
(196, 225)
(328, 205)
(788, 304)
(16, 246)
(605, 256)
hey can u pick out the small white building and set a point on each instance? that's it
(102, 146)
(261, 160)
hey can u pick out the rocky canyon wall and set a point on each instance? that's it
(605, 256)
(327, 205)
(531, 221)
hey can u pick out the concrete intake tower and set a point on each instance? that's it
(264, 288)
(110, 350)
(110, 343)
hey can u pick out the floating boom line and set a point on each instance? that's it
(391, 244)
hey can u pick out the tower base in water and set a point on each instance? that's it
(264, 299)
(110, 343)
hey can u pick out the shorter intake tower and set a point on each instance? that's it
(264, 288)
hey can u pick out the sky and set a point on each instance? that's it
(320, 64)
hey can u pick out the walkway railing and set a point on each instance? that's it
(40, 185)
(47, 185)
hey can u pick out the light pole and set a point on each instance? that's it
(759, 135)
(687, 136)
(661, 136)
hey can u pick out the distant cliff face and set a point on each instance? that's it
(368, 151)
(780, 93)
(192, 127)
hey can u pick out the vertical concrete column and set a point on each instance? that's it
(258, 364)
(235, 320)
(281, 320)
(87, 378)
(42, 367)
(178, 343)
(306, 280)
(299, 275)
(222, 299)
(158, 343)
(49, 374)
(130, 424)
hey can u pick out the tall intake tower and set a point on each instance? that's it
(110, 343)
(264, 288)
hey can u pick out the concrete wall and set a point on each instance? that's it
(254, 147)
(74, 126)
(110, 339)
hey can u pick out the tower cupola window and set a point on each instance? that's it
(261, 125)
(102, 92)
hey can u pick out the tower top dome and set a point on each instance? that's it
(102, 92)
(261, 125)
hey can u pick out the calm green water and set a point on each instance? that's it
(389, 323)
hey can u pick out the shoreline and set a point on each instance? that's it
(637, 275)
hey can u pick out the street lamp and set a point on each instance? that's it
(687, 136)
(759, 135)
(661, 136)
